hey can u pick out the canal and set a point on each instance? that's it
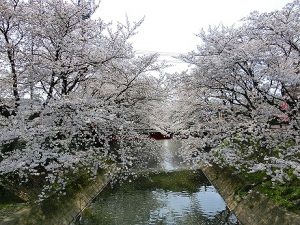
(175, 196)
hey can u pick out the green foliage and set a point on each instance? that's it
(286, 195)
(171, 181)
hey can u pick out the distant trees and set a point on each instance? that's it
(243, 79)
(70, 86)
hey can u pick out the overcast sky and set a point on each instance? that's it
(170, 25)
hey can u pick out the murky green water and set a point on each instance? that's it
(173, 197)
(179, 197)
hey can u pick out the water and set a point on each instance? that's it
(171, 159)
(173, 197)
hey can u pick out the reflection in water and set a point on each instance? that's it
(172, 198)
(171, 159)
(167, 163)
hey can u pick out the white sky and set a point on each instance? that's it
(170, 25)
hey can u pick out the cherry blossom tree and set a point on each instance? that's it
(244, 83)
(76, 97)
(12, 31)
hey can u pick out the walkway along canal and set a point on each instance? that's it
(173, 196)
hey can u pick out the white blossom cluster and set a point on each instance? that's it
(239, 105)
(73, 95)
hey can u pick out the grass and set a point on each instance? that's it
(286, 194)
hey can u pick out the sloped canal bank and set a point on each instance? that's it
(251, 207)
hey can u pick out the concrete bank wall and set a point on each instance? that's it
(70, 210)
(82, 200)
(252, 209)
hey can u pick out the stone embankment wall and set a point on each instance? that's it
(252, 209)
